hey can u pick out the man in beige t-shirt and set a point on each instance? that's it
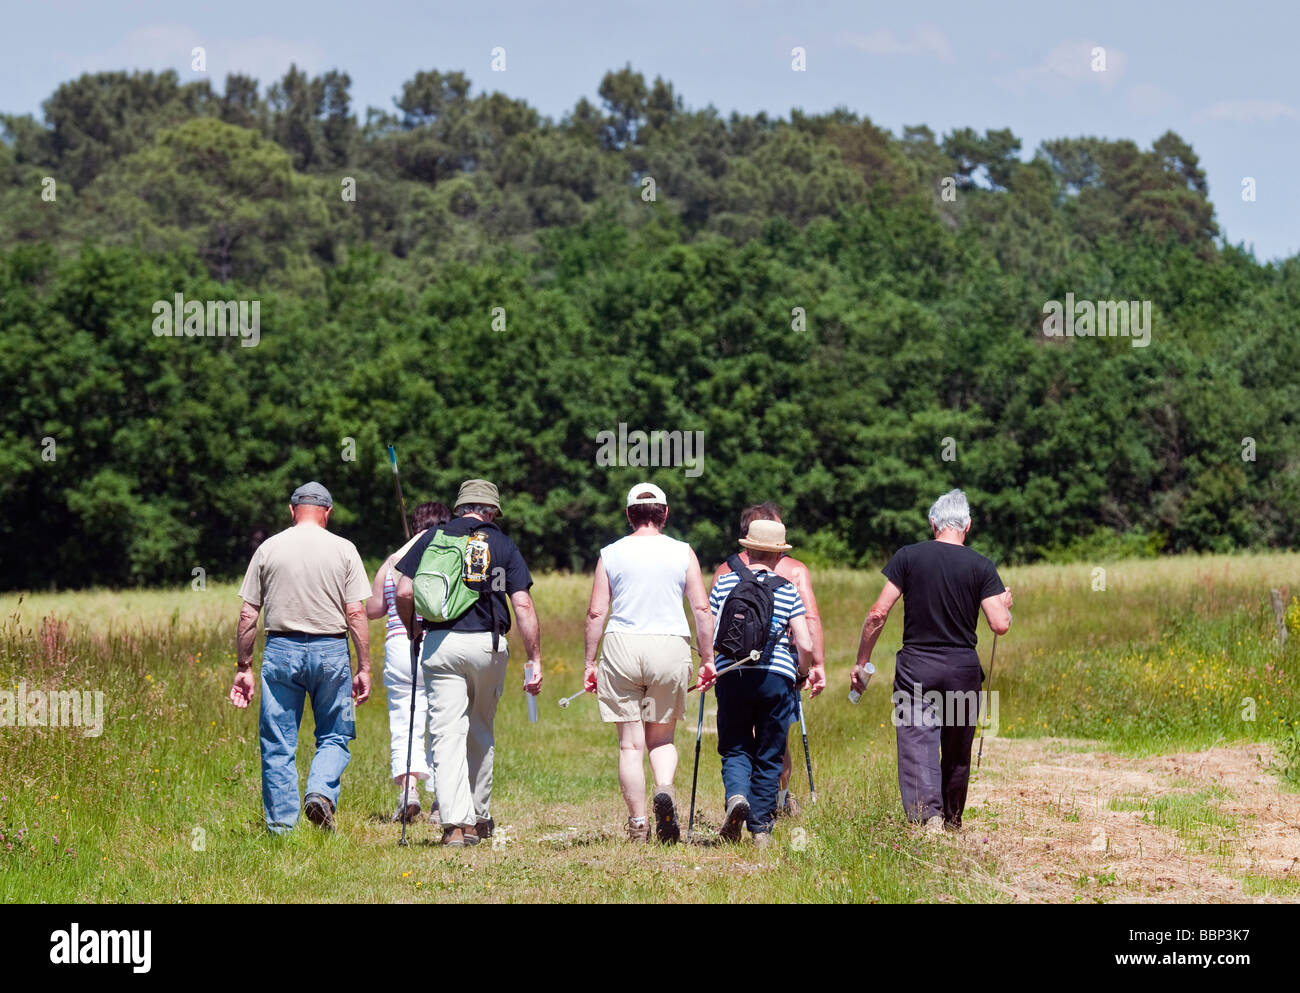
(313, 588)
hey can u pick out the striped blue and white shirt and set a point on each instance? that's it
(788, 605)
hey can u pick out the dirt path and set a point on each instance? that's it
(1067, 820)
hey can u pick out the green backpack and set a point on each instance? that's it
(440, 590)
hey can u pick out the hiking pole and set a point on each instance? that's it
(721, 672)
(695, 776)
(807, 756)
(410, 733)
(992, 656)
(565, 701)
(415, 655)
(401, 503)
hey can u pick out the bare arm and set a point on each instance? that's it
(871, 628)
(801, 632)
(803, 583)
(243, 688)
(246, 635)
(698, 598)
(375, 606)
(359, 628)
(405, 600)
(997, 610)
(526, 618)
(597, 612)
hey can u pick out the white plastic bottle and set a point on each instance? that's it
(529, 669)
(870, 670)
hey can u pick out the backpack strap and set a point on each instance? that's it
(737, 565)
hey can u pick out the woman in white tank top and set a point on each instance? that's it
(645, 660)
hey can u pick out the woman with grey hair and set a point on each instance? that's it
(937, 676)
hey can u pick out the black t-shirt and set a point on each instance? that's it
(943, 585)
(492, 563)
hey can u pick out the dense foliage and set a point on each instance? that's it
(850, 340)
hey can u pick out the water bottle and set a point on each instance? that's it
(854, 695)
(532, 697)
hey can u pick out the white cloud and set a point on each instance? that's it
(1249, 111)
(926, 40)
(1068, 65)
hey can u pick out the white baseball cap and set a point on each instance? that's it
(656, 495)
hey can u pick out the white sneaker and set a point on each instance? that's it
(411, 810)
(934, 825)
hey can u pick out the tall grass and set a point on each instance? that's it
(165, 805)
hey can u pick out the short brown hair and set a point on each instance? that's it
(766, 511)
(640, 514)
(429, 515)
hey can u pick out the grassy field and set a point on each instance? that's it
(165, 805)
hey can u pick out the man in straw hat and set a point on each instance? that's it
(755, 697)
(464, 660)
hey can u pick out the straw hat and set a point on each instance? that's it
(766, 536)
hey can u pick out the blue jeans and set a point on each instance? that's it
(754, 707)
(293, 667)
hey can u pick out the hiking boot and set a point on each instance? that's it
(667, 829)
(408, 806)
(934, 825)
(734, 819)
(471, 836)
(453, 837)
(762, 840)
(484, 828)
(791, 807)
(638, 833)
(319, 811)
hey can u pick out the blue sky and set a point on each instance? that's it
(1223, 76)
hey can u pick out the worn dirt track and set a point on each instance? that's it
(1067, 820)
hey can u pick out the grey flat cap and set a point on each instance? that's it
(312, 493)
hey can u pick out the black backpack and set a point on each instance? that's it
(746, 616)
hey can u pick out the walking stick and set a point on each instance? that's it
(415, 655)
(807, 756)
(410, 734)
(699, 731)
(401, 503)
(992, 657)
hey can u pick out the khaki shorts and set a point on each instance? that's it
(643, 677)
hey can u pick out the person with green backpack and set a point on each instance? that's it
(458, 577)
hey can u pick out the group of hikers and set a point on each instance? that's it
(448, 595)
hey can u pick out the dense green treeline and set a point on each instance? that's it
(849, 340)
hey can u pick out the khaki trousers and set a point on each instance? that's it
(463, 680)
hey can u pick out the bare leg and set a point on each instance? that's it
(663, 753)
(631, 766)
(785, 768)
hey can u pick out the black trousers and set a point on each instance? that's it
(936, 709)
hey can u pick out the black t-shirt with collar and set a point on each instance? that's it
(493, 563)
